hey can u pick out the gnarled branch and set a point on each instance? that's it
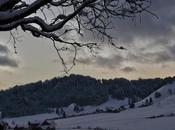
(68, 16)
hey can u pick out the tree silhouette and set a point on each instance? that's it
(53, 19)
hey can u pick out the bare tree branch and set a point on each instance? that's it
(68, 16)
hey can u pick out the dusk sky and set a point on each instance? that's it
(150, 44)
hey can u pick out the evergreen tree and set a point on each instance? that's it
(150, 101)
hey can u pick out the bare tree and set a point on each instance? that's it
(53, 19)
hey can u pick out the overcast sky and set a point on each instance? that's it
(151, 52)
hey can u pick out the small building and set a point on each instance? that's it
(48, 125)
(3, 125)
(33, 125)
(45, 125)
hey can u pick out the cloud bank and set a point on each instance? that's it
(150, 41)
(6, 60)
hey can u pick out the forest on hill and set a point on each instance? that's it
(60, 92)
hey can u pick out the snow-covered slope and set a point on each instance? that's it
(131, 119)
(113, 103)
(110, 103)
(167, 93)
(23, 121)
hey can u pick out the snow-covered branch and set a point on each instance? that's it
(54, 18)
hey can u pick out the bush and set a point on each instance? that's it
(98, 110)
(150, 101)
(111, 110)
(122, 108)
(170, 91)
(157, 94)
(131, 103)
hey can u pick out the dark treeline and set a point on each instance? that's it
(83, 90)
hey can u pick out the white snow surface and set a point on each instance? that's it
(110, 103)
(23, 121)
(165, 95)
(130, 119)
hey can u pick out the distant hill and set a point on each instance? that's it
(163, 96)
(58, 92)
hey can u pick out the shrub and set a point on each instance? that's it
(157, 94)
(170, 91)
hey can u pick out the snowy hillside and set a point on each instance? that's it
(110, 103)
(23, 121)
(132, 119)
(158, 116)
(162, 96)
(59, 92)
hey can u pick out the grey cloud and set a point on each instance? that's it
(5, 58)
(85, 60)
(152, 33)
(172, 50)
(3, 49)
(128, 69)
(111, 62)
(126, 30)
(150, 26)
(7, 61)
(162, 9)
(141, 57)
(162, 57)
(158, 32)
(158, 57)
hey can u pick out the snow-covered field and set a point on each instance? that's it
(130, 119)
(165, 95)
(110, 103)
(23, 121)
